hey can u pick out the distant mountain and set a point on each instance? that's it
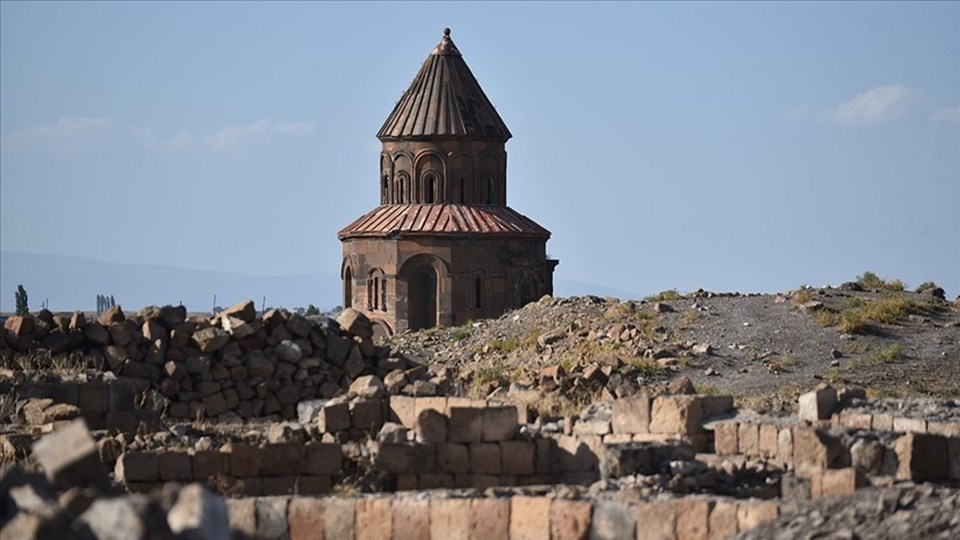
(74, 282)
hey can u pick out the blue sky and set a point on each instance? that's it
(731, 146)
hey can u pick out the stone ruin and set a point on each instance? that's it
(285, 427)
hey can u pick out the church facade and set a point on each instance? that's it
(443, 247)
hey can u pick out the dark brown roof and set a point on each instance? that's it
(442, 219)
(444, 99)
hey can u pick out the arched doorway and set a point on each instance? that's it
(422, 297)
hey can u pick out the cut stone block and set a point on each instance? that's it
(306, 518)
(447, 519)
(339, 517)
(198, 513)
(411, 518)
(725, 440)
(69, 457)
(374, 519)
(517, 457)
(499, 423)
(403, 410)
(818, 404)
(612, 521)
(272, 517)
(334, 417)
(768, 440)
(489, 518)
(752, 513)
(693, 518)
(530, 518)
(485, 458)
(631, 415)
(922, 457)
(466, 424)
(748, 436)
(571, 520)
(656, 521)
(836, 482)
(723, 520)
(814, 450)
(677, 414)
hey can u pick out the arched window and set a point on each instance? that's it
(403, 196)
(463, 189)
(489, 190)
(430, 185)
(385, 190)
(348, 288)
(478, 292)
(383, 294)
(376, 295)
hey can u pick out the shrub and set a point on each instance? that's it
(869, 280)
(802, 295)
(852, 321)
(665, 296)
(926, 285)
(461, 333)
(887, 354)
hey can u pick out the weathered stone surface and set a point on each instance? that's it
(499, 423)
(485, 458)
(725, 438)
(447, 519)
(288, 351)
(922, 457)
(489, 518)
(199, 514)
(355, 323)
(374, 519)
(411, 518)
(818, 404)
(272, 517)
(339, 517)
(431, 427)
(752, 513)
(612, 521)
(631, 415)
(111, 315)
(118, 518)
(530, 518)
(69, 457)
(245, 311)
(814, 450)
(334, 417)
(135, 466)
(242, 515)
(20, 325)
(693, 518)
(518, 457)
(570, 520)
(367, 387)
(680, 414)
(723, 520)
(211, 339)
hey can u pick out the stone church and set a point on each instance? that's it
(443, 247)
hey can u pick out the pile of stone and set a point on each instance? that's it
(73, 499)
(231, 366)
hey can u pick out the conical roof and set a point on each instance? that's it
(444, 100)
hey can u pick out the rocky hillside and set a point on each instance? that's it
(764, 349)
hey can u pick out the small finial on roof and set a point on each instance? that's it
(446, 46)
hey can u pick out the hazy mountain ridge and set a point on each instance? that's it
(71, 283)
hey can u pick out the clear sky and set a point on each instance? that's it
(732, 146)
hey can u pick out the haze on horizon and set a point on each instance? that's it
(729, 146)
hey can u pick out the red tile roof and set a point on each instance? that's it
(442, 219)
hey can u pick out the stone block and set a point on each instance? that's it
(431, 427)
(334, 417)
(207, 463)
(499, 423)
(817, 404)
(137, 466)
(403, 410)
(374, 519)
(314, 485)
(725, 440)
(198, 513)
(953, 451)
(406, 482)
(306, 518)
(283, 459)
(714, 406)
(882, 422)
(485, 458)
(518, 457)
(411, 518)
(574, 454)
(855, 420)
(723, 520)
(768, 440)
(366, 415)
(814, 450)
(612, 521)
(421, 404)
(69, 457)
(836, 482)
(922, 457)
(94, 396)
(785, 447)
(748, 437)
(435, 481)
(242, 517)
(631, 414)
(394, 458)
(656, 521)
(278, 485)
(339, 517)
(570, 520)
(117, 517)
(323, 458)
(449, 519)
(489, 518)
(753, 512)
(947, 429)
(595, 426)
(175, 466)
(244, 459)
(529, 518)
(466, 424)
(677, 414)
(909, 425)
(453, 458)
(693, 518)
(272, 517)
